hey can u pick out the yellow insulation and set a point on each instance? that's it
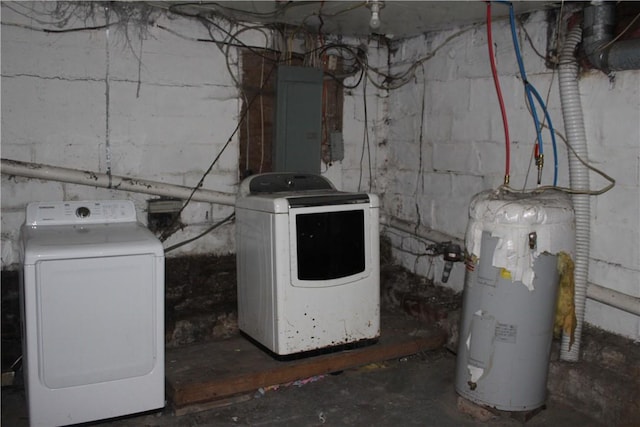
(566, 311)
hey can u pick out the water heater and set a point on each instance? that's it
(513, 241)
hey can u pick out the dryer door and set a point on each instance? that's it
(96, 319)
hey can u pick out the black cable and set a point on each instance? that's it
(253, 49)
(365, 139)
(205, 21)
(202, 5)
(208, 230)
(204, 175)
(68, 30)
(340, 78)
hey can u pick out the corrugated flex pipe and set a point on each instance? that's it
(579, 178)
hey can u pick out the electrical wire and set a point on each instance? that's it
(407, 76)
(503, 110)
(261, 119)
(63, 11)
(218, 42)
(339, 78)
(226, 53)
(612, 182)
(175, 8)
(347, 9)
(388, 81)
(541, 189)
(245, 113)
(248, 131)
(204, 233)
(215, 160)
(420, 174)
(365, 138)
(216, 7)
(68, 30)
(530, 40)
(554, 132)
(616, 38)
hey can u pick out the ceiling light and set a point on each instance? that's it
(375, 6)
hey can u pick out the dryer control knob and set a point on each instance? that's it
(83, 212)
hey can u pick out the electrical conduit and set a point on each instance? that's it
(579, 179)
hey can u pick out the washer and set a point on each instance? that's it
(92, 300)
(308, 263)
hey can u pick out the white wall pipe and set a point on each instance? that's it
(94, 179)
(579, 179)
(421, 231)
(595, 292)
(613, 298)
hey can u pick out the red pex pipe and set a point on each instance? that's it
(496, 81)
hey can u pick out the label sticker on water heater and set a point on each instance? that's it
(506, 333)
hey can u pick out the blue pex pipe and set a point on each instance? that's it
(531, 92)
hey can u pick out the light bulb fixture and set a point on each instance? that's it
(375, 6)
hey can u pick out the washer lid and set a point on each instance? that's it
(277, 192)
(284, 182)
(283, 202)
(86, 241)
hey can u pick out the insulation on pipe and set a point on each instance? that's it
(579, 179)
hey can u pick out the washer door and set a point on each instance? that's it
(96, 319)
(330, 245)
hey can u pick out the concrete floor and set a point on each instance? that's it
(417, 390)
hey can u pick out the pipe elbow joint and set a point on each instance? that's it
(598, 29)
(598, 58)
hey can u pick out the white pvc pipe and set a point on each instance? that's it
(614, 298)
(579, 178)
(114, 182)
(421, 231)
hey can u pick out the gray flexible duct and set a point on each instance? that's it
(599, 26)
(579, 178)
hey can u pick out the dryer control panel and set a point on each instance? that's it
(80, 212)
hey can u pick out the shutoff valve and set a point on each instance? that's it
(451, 252)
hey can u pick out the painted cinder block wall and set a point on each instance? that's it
(452, 103)
(169, 115)
(433, 143)
(172, 106)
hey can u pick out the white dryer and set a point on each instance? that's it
(92, 299)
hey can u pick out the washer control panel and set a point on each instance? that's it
(80, 212)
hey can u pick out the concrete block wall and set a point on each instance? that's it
(166, 121)
(432, 179)
(365, 163)
(172, 107)
(433, 143)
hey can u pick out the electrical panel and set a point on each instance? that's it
(298, 122)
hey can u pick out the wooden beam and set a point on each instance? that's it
(218, 370)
